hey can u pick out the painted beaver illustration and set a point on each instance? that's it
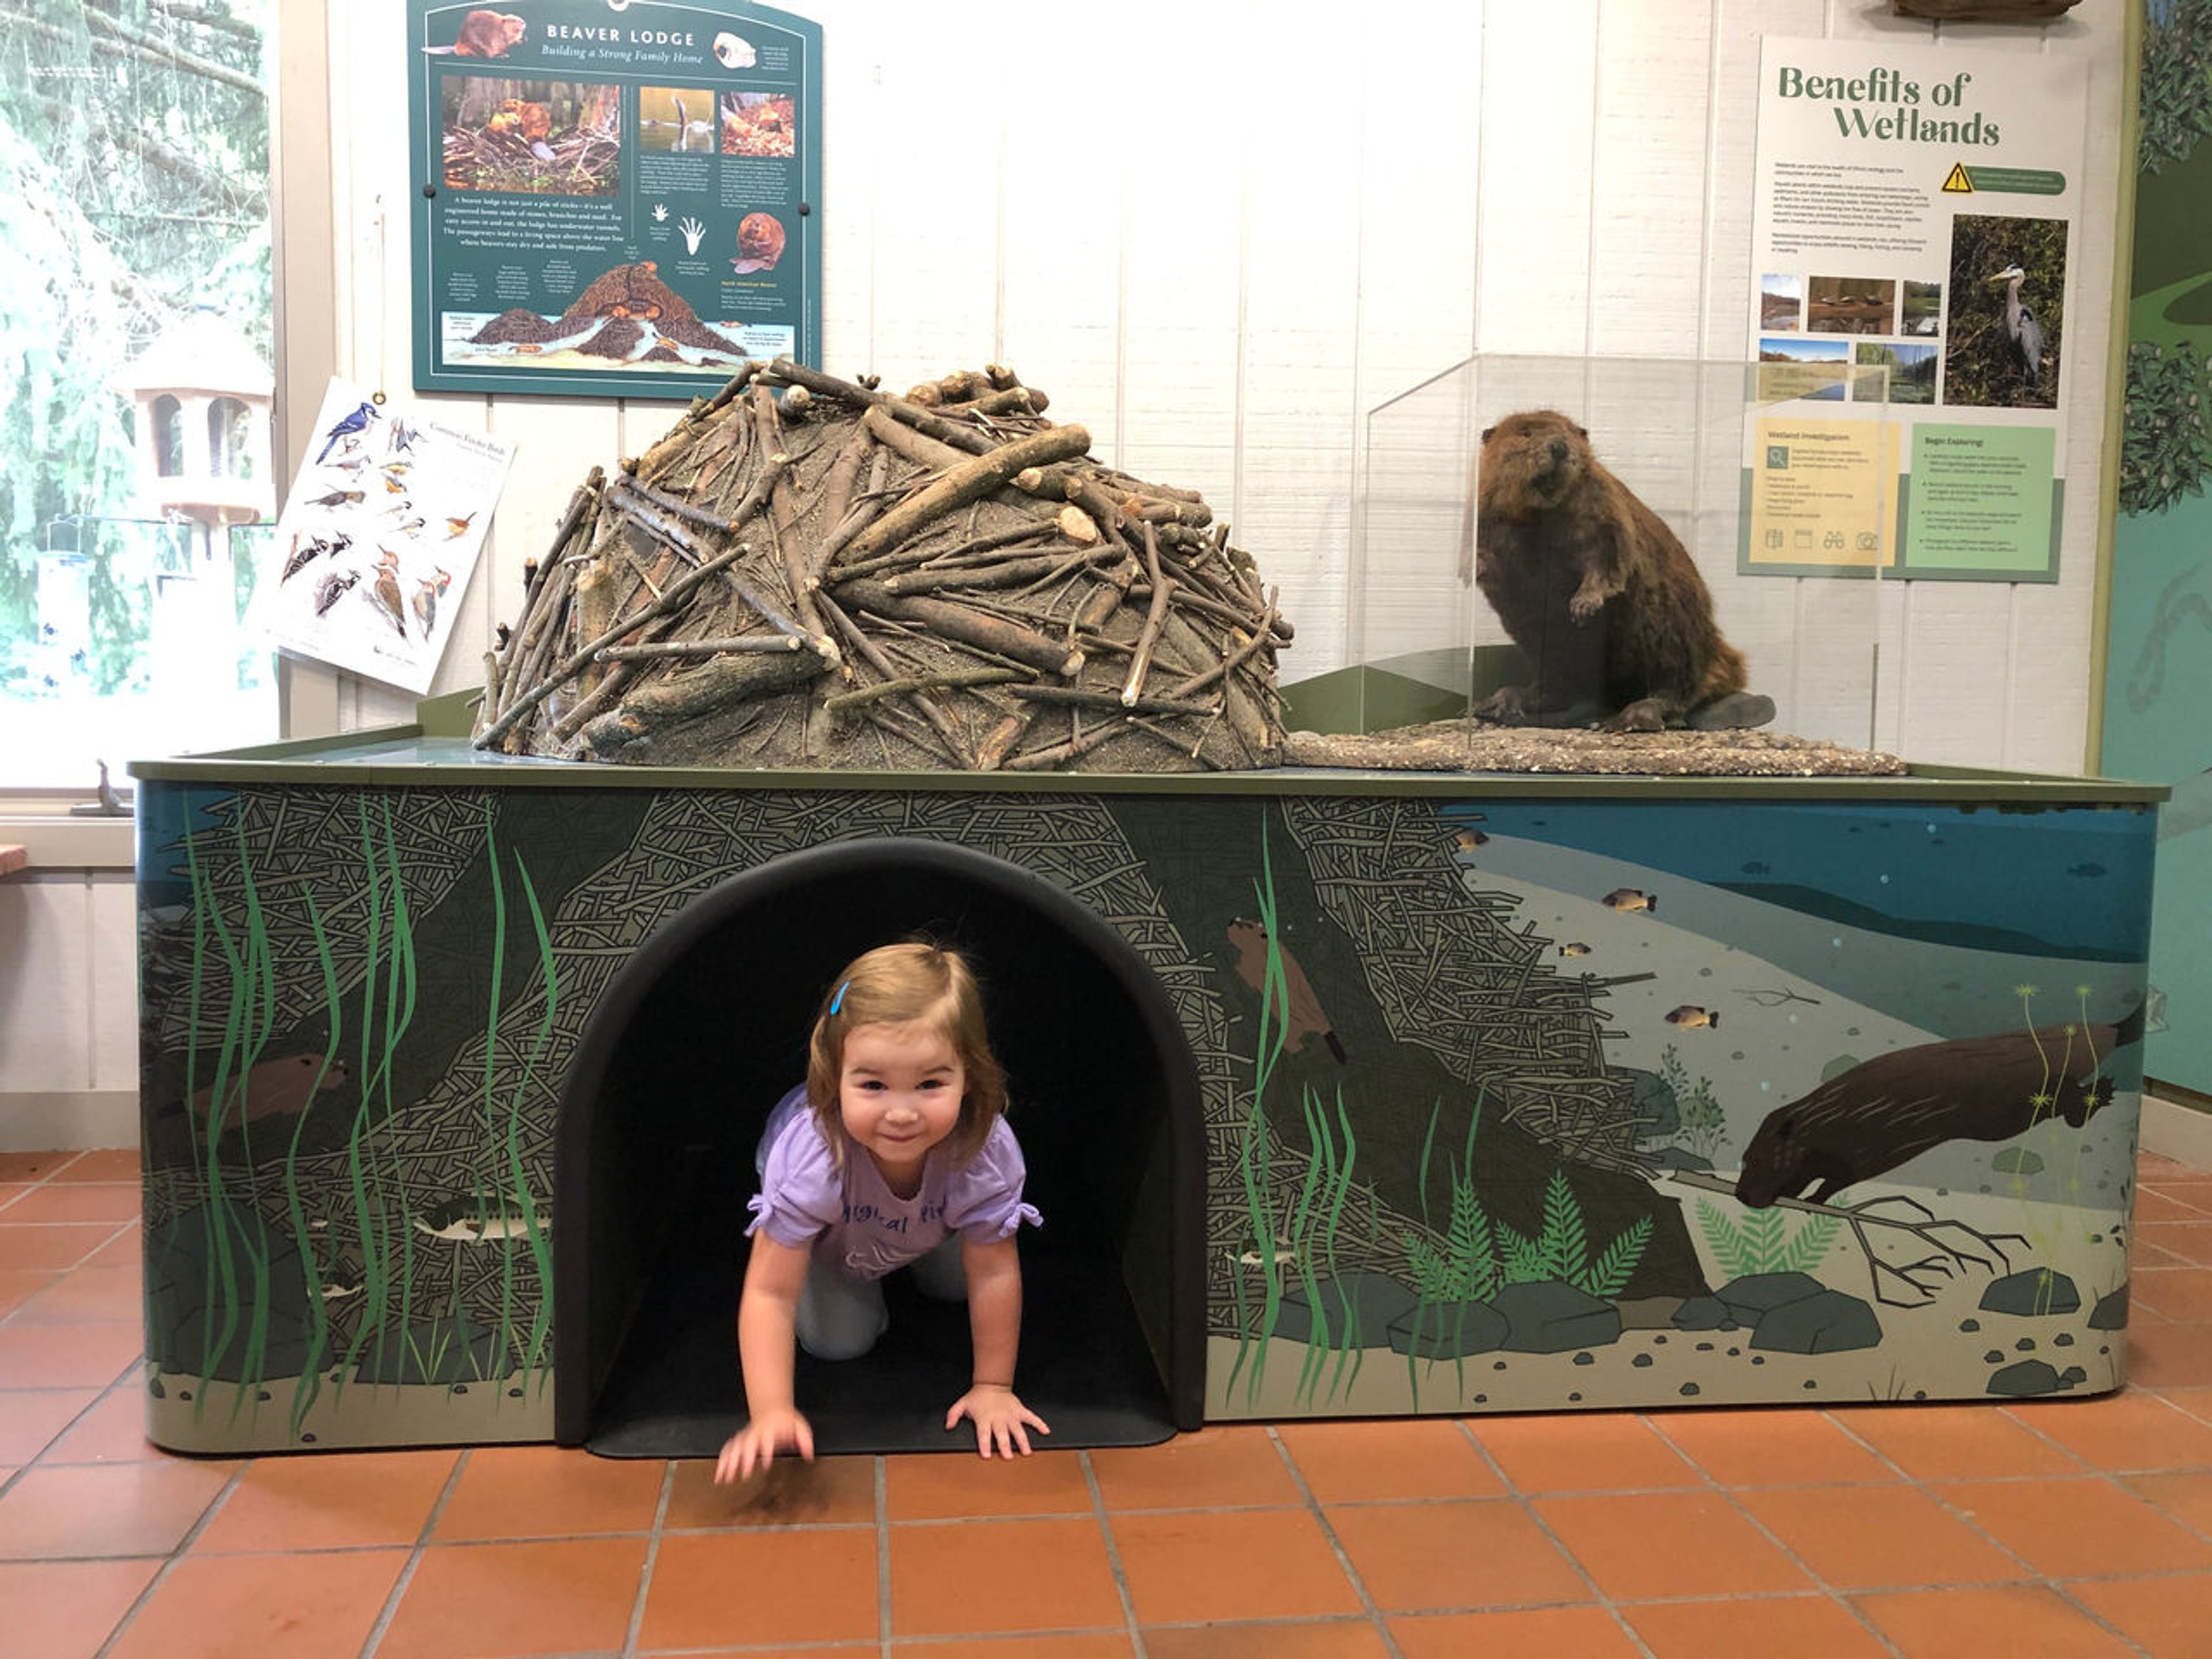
(1877, 1114)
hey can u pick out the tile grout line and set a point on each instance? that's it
(881, 1479)
(1834, 1594)
(631, 1631)
(169, 1564)
(1528, 1508)
(1113, 1553)
(399, 1585)
(37, 1460)
(2111, 1478)
(2036, 1578)
(1336, 1545)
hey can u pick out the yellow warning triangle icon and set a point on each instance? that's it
(1956, 182)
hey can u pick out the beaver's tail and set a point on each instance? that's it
(2131, 1029)
(2090, 1098)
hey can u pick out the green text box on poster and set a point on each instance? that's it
(1980, 500)
(612, 200)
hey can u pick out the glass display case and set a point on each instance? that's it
(1513, 580)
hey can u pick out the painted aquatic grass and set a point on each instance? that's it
(1766, 1241)
(227, 1276)
(389, 958)
(541, 1323)
(1312, 1234)
(1254, 1152)
(310, 1385)
(1447, 1279)
(234, 1272)
(2045, 1107)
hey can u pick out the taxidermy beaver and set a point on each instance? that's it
(1597, 591)
(1875, 1116)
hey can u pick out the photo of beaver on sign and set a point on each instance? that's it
(1599, 593)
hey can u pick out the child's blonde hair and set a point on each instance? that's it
(914, 983)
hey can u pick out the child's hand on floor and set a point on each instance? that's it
(754, 1446)
(1000, 1418)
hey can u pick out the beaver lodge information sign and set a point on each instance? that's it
(613, 200)
(1911, 280)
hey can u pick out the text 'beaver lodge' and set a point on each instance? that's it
(808, 572)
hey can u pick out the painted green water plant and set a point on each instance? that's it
(239, 1295)
(1303, 1235)
(1481, 1255)
(1766, 1241)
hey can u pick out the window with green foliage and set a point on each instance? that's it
(136, 376)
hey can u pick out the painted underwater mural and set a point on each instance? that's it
(1508, 1104)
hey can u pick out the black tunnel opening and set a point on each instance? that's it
(706, 1026)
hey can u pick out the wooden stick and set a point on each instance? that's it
(678, 591)
(1012, 400)
(1148, 637)
(1242, 654)
(640, 491)
(959, 622)
(903, 441)
(713, 685)
(843, 477)
(1076, 697)
(713, 647)
(1001, 572)
(916, 684)
(922, 420)
(873, 656)
(991, 753)
(963, 483)
(908, 556)
(531, 652)
(863, 513)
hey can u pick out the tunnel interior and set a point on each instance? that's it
(706, 1027)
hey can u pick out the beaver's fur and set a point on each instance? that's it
(1591, 584)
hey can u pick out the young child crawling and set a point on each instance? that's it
(895, 1152)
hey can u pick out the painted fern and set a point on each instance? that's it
(1764, 1241)
(1617, 1259)
(1565, 1244)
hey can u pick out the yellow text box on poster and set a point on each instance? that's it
(1822, 493)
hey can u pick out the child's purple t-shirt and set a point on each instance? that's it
(851, 1219)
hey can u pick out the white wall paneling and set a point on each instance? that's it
(1219, 241)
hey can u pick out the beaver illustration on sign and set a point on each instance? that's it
(1594, 586)
(1872, 1118)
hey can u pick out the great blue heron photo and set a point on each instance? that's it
(2006, 320)
(2021, 326)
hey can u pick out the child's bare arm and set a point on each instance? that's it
(994, 1320)
(766, 1314)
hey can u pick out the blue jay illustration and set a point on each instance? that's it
(356, 422)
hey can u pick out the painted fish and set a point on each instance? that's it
(1574, 947)
(1469, 840)
(1689, 1017)
(1630, 898)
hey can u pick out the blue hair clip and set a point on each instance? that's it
(838, 1001)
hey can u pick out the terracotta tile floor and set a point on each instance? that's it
(2071, 1528)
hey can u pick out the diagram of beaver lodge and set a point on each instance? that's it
(806, 571)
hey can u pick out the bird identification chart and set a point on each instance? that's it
(613, 200)
(377, 538)
(1913, 249)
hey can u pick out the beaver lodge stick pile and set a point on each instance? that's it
(809, 572)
